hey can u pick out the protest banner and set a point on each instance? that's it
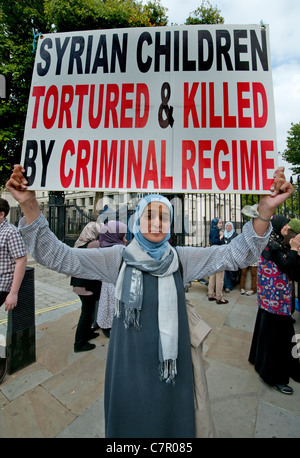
(167, 109)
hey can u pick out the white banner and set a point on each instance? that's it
(168, 109)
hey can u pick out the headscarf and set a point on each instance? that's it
(112, 233)
(228, 234)
(295, 225)
(276, 238)
(160, 260)
(155, 250)
(89, 233)
(278, 222)
(214, 223)
(293, 231)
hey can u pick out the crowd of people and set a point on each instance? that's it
(150, 382)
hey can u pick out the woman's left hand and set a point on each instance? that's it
(281, 190)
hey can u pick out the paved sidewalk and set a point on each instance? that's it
(61, 394)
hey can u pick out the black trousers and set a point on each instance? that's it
(84, 330)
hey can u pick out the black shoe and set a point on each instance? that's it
(85, 347)
(222, 301)
(212, 298)
(3, 367)
(285, 389)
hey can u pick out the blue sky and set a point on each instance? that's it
(282, 16)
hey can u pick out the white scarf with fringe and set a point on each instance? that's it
(129, 292)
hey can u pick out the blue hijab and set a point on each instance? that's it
(214, 223)
(154, 249)
(228, 234)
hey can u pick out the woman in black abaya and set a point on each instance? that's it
(272, 345)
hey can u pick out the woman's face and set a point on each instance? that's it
(228, 227)
(284, 231)
(220, 224)
(155, 221)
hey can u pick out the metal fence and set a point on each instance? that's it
(192, 215)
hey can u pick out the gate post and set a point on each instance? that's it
(57, 212)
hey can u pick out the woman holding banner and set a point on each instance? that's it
(149, 385)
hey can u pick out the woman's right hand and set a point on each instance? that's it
(17, 186)
(17, 183)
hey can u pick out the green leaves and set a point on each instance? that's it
(18, 21)
(205, 14)
(292, 153)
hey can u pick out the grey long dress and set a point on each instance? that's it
(137, 403)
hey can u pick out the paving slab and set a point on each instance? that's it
(35, 414)
(275, 422)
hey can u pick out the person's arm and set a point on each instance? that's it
(214, 237)
(46, 249)
(17, 186)
(43, 245)
(12, 297)
(242, 251)
(286, 262)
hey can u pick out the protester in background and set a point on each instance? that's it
(230, 278)
(253, 273)
(88, 292)
(149, 382)
(112, 233)
(13, 260)
(271, 348)
(216, 280)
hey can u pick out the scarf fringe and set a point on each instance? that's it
(132, 319)
(168, 371)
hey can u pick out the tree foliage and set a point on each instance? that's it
(292, 152)
(205, 14)
(21, 20)
(66, 15)
(17, 19)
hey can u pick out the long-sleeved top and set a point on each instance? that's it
(100, 264)
(214, 237)
(274, 285)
